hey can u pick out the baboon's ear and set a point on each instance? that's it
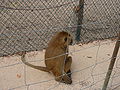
(65, 39)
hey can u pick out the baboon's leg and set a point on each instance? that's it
(62, 77)
(58, 74)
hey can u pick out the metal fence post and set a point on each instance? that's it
(111, 63)
(80, 18)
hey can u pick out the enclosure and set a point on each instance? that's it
(28, 25)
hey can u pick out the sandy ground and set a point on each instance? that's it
(90, 63)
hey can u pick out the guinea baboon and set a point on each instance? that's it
(56, 59)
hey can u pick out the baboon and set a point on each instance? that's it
(56, 59)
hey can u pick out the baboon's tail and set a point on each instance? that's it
(33, 66)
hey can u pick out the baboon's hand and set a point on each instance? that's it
(67, 79)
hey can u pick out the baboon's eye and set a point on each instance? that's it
(65, 39)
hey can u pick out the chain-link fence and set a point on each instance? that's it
(27, 25)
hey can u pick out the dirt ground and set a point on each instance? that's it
(89, 67)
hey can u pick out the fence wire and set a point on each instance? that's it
(28, 25)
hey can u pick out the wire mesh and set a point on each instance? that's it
(29, 25)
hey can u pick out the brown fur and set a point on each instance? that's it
(56, 60)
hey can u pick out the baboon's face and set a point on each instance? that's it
(68, 40)
(65, 39)
(62, 39)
